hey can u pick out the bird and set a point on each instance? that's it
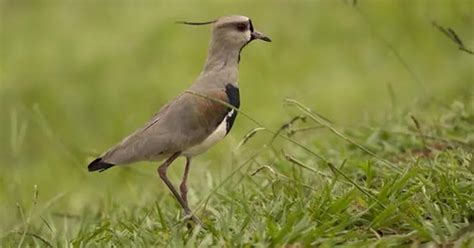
(196, 119)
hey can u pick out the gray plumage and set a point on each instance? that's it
(187, 121)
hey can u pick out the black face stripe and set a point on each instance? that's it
(234, 99)
(251, 37)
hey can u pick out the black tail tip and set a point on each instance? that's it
(98, 165)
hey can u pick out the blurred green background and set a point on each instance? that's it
(77, 76)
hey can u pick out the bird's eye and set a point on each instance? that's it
(241, 27)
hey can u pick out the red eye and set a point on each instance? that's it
(241, 27)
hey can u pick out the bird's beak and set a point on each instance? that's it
(261, 36)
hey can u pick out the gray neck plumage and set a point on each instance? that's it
(221, 68)
(222, 56)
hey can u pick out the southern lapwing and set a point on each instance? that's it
(190, 124)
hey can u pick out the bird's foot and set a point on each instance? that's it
(194, 218)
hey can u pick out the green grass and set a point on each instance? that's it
(282, 194)
(392, 167)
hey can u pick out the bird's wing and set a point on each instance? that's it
(182, 123)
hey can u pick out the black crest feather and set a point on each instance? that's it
(196, 23)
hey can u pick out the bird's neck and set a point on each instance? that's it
(221, 56)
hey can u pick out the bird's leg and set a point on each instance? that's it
(162, 172)
(183, 187)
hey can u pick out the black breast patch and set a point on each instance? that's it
(234, 100)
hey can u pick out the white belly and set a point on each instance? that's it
(215, 137)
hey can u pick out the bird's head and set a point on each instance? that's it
(236, 31)
(233, 31)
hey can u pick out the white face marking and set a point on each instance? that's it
(249, 35)
(248, 32)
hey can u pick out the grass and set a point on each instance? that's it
(273, 198)
(372, 146)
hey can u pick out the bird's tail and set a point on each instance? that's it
(99, 165)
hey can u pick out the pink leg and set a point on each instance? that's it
(162, 172)
(183, 187)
